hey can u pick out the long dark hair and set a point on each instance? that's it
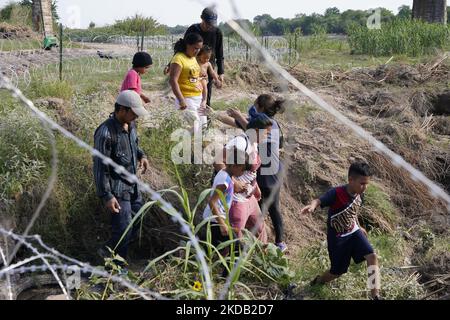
(189, 39)
(269, 105)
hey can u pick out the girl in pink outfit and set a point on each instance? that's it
(245, 212)
(141, 63)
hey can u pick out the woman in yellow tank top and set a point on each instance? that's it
(185, 80)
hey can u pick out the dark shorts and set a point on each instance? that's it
(342, 250)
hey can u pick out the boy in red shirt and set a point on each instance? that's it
(346, 239)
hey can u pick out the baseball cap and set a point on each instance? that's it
(131, 99)
(209, 15)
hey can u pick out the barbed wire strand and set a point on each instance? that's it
(144, 293)
(22, 240)
(8, 278)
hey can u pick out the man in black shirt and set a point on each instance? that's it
(213, 37)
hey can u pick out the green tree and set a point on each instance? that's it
(404, 12)
(262, 22)
(332, 12)
(332, 19)
(350, 17)
(135, 25)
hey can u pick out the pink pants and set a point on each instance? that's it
(247, 215)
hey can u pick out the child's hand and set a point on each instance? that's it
(257, 193)
(183, 105)
(218, 84)
(224, 229)
(308, 209)
(166, 70)
(240, 187)
(145, 99)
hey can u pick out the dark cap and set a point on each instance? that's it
(209, 15)
(142, 59)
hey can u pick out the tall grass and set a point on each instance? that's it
(401, 36)
(16, 14)
(177, 273)
(23, 152)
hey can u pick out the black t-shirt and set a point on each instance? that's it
(214, 39)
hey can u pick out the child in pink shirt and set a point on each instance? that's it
(141, 62)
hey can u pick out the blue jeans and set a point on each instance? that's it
(120, 222)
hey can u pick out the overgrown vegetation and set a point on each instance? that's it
(400, 36)
(19, 13)
(333, 21)
(177, 273)
(131, 26)
(23, 153)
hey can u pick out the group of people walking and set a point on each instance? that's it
(248, 178)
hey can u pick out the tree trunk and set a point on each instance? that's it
(37, 16)
(42, 21)
(433, 11)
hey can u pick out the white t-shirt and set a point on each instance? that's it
(248, 177)
(222, 178)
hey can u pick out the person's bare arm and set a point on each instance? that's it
(144, 98)
(239, 117)
(204, 94)
(213, 201)
(223, 117)
(175, 72)
(214, 75)
(311, 207)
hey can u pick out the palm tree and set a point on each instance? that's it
(433, 11)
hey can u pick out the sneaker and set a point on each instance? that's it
(289, 293)
(282, 246)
